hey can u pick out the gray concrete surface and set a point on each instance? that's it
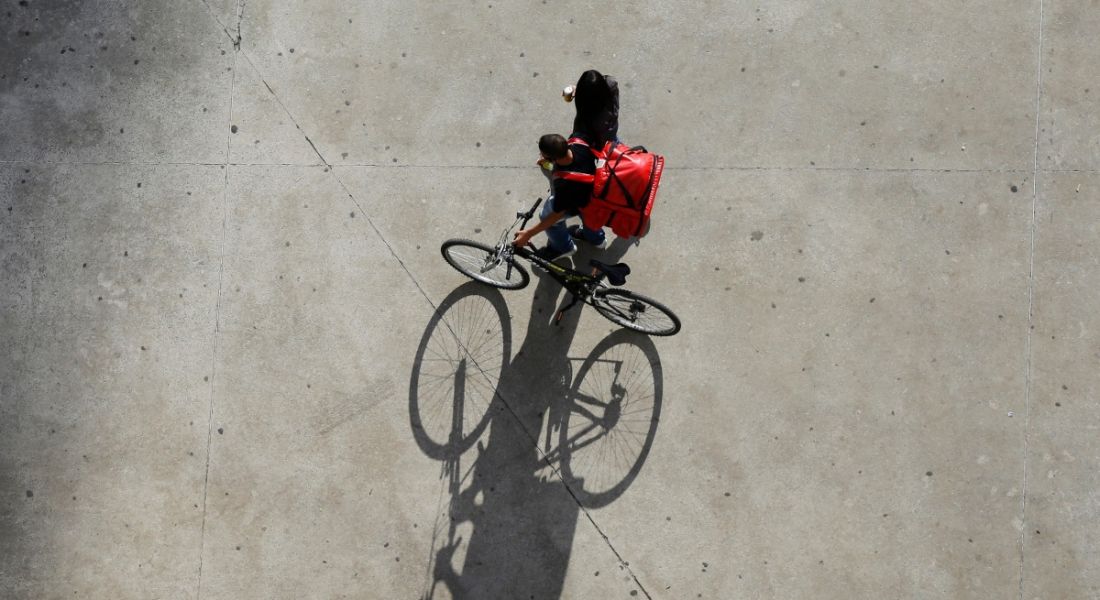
(233, 364)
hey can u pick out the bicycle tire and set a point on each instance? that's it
(476, 256)
(624, 308)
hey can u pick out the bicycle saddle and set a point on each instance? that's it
(616, 274)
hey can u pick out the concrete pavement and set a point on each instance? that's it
(234, 364)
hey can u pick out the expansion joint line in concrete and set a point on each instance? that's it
(217, 318)
(533, 438)
(1031, 302)
(735, 168)
(119, 163)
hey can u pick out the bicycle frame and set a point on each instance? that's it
(494, 265)
(580, 285)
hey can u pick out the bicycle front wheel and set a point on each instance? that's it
(482, 263)
(635, 311)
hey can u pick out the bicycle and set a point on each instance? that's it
(498, 266)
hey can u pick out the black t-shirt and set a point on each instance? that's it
(571, 196)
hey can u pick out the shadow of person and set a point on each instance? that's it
(508, 527)
(523, 523)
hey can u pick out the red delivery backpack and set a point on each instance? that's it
(623, 188)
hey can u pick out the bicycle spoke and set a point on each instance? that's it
(636, 312)
(486, 264)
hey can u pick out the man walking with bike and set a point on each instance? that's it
(573, 166)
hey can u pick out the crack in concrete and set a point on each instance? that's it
(1031, 302)
(225, 29)
(217, 326)
(240, 18)
(290, 116)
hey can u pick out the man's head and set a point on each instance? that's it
(554, 147)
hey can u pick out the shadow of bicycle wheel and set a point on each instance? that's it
(609, 419)
(463, 353)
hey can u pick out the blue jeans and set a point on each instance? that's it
(558, 234)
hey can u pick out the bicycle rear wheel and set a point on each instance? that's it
(481, 263)
(635, 311)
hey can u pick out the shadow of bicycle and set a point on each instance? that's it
(510, 431)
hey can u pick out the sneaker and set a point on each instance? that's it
(575, 233)
(550, 255)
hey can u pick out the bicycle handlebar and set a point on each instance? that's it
(526, 216)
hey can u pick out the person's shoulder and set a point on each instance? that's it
(582, 150)
(584, 160)
(582, 140)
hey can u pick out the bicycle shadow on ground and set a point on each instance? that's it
(508, 433)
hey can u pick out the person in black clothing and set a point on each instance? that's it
(566, 199)
(597, 99)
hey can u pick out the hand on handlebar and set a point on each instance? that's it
(523, 237)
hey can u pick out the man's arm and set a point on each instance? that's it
(523, 236)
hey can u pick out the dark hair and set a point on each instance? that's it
(592, 92)
(553, 146)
